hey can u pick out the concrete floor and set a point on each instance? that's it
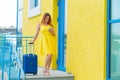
(54, 75)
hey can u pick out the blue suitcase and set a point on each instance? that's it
(30, 63)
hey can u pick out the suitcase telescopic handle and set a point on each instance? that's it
(31, 48)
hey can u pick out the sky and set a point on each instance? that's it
(8, 13)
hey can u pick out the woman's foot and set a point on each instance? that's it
(47, 73)
(44, 72)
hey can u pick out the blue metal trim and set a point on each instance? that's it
(17, 36)
(61, 68)
(114, 21)
(3, 56)
(3, 51)
(17, 18)
(19, 74)
(17, 21)
(61, 20)
(26, 46)
(108, 52)
(10, 46)
(108, 41)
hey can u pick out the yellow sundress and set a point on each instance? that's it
(47, 41)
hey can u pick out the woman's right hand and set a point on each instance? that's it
(31, 42)
(51, 30)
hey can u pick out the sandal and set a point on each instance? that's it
(47, 73)
(44, 72)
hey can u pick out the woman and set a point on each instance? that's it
(47, 40)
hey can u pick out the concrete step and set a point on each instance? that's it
(54, 75)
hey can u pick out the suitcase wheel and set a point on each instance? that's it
(34, 73)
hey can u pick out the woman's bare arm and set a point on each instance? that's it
(36, 34)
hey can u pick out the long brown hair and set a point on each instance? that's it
(50, 20)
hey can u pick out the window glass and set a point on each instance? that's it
(20, 5)
(33, 4)
(115, 9)
(20, 21)
(115, 51)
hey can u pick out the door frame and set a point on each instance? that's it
(61, 30)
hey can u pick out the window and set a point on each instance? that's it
(33, 8)
(20, 21)
(19, 16)
(33, 4)
(113, 40)
(20, 5)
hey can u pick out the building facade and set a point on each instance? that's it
(87, 35)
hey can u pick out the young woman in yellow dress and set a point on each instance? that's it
(47, 40)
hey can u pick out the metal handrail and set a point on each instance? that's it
(18, 63)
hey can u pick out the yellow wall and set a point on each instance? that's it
(29, 24)
(86, 39)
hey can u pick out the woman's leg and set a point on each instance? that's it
(47, 63)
